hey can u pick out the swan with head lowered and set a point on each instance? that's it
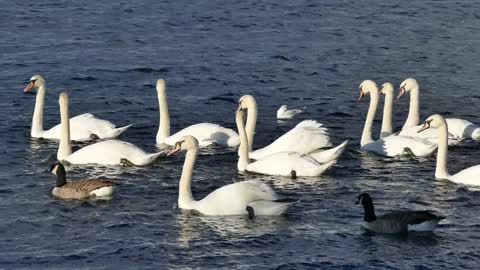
(241, 198)
(206, 133)
(392, 145)
(84, 127)
(286, 163)
(109, 152)
(307, 137)
(469, 176)
(458, 129)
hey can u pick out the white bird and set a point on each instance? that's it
(458, 129)
(308, 136)
(393, 145)
(206, 133)
(241, 198)
(284, 113)
(84, 127)
(286, 163)
(469, 176)
(110, 152)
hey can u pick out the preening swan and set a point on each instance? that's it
(206, 133)
(397, 221)
(391, 145)
(79, 189)
(110, 152)
(458, 129)
(248, 197)
(469, 176)
(306, 137)
(281, 163)
(284, 113)
(84, 127)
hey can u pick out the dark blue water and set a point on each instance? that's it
(313, 54)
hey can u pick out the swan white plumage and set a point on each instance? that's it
(392, 145)
(281, 163)
(110, 152)
(239, 198)
(284, 113)
(206, 133)
(84, 126)
(469, 176)
(458, 129)
(306, 137)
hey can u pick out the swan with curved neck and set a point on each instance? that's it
(109, 152)
(390, 145)
(206, 133)
(281, 163)
(84, 127)
(241, 198)
(307, 137)
(458, 129)
(469, 176)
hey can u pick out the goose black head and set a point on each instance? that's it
(367, 203)
(58, 169)
(364, 199)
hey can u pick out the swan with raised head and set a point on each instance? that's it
(241, 198)
(469, 176)
(282, 163)
(387, 121)
(458, 129)
(109, 152)
(84, 127)
(396, 222)
(206, 133)
(284, 113)
(392, 145)
(308, 136)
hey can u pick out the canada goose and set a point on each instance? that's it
(397, 221)
(80, 189)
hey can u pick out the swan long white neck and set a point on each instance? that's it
(372, 109)
(387, 128)
(441, 170)
(37, 120)
(243, 159)
(413, 118)
(185, 197)
(252, 112)
(164, 126)
(64, 148)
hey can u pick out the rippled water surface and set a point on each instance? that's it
(108, 56)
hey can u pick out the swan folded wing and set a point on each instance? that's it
(307, 136)
(394, 145)
(206, 134)
(461, 129)
(283, 163)
(468, 176)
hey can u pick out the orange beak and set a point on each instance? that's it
(361, 96)
(402, 91)
(425, 126)
(29, 86)
(177, 148)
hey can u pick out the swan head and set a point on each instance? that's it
(283, 108)
(186, 143)
(160, 85)
(434, 121)
(366, 87)
(387, 89)
(407, 85)
(63, 99)
(247, 102)
(34, 82)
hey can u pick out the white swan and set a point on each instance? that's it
(284, 113)
(281, 163)
(469, 176)
(393, 145)
(206, 133)
(110, 152)
(84, 127)
(248, 197)
(306, 137)
(458, 129)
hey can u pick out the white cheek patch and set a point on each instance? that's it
(54, 171)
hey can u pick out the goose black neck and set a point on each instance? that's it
(369, 211)
(61, 176)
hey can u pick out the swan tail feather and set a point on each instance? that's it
(270, 208)
(150, 158)
(476, 134)
(321, 169)
(330, 154)
(116, 132)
